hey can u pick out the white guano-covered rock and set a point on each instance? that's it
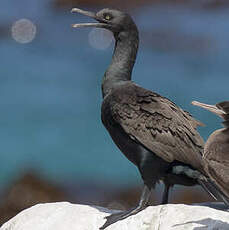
(66, 216)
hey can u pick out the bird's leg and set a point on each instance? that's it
(122, 215)
(165, 196)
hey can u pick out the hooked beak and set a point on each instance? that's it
(99, 24)
(211, 108)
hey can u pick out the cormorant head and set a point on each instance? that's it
(216, 109)
(221, 109)
(113, 20)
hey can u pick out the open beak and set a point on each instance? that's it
(99, 24)
(211, 108)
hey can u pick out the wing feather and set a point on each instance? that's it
(158, 124)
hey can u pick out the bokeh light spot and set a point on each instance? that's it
(23, 31)
(100, 38)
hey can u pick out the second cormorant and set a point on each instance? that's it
(216, 149)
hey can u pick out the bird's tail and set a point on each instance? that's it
(209, 186)
(224, 106)
(212, 189)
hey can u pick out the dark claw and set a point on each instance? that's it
(113, 218)
(143, 203)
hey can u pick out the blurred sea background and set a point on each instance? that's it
(50, 94)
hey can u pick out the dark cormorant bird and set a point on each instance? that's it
(150, 130)
(216, 149)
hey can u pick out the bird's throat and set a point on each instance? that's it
(123, 59)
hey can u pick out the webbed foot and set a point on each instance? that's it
(113, 218)
(143, 203)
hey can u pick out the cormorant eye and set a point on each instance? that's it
(108, 17)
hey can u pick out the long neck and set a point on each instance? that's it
(123, 59)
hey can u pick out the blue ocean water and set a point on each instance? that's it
(50, 88)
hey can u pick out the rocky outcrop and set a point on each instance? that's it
(65, 216)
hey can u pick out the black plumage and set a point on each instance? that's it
(150, 130)
(216, 149)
